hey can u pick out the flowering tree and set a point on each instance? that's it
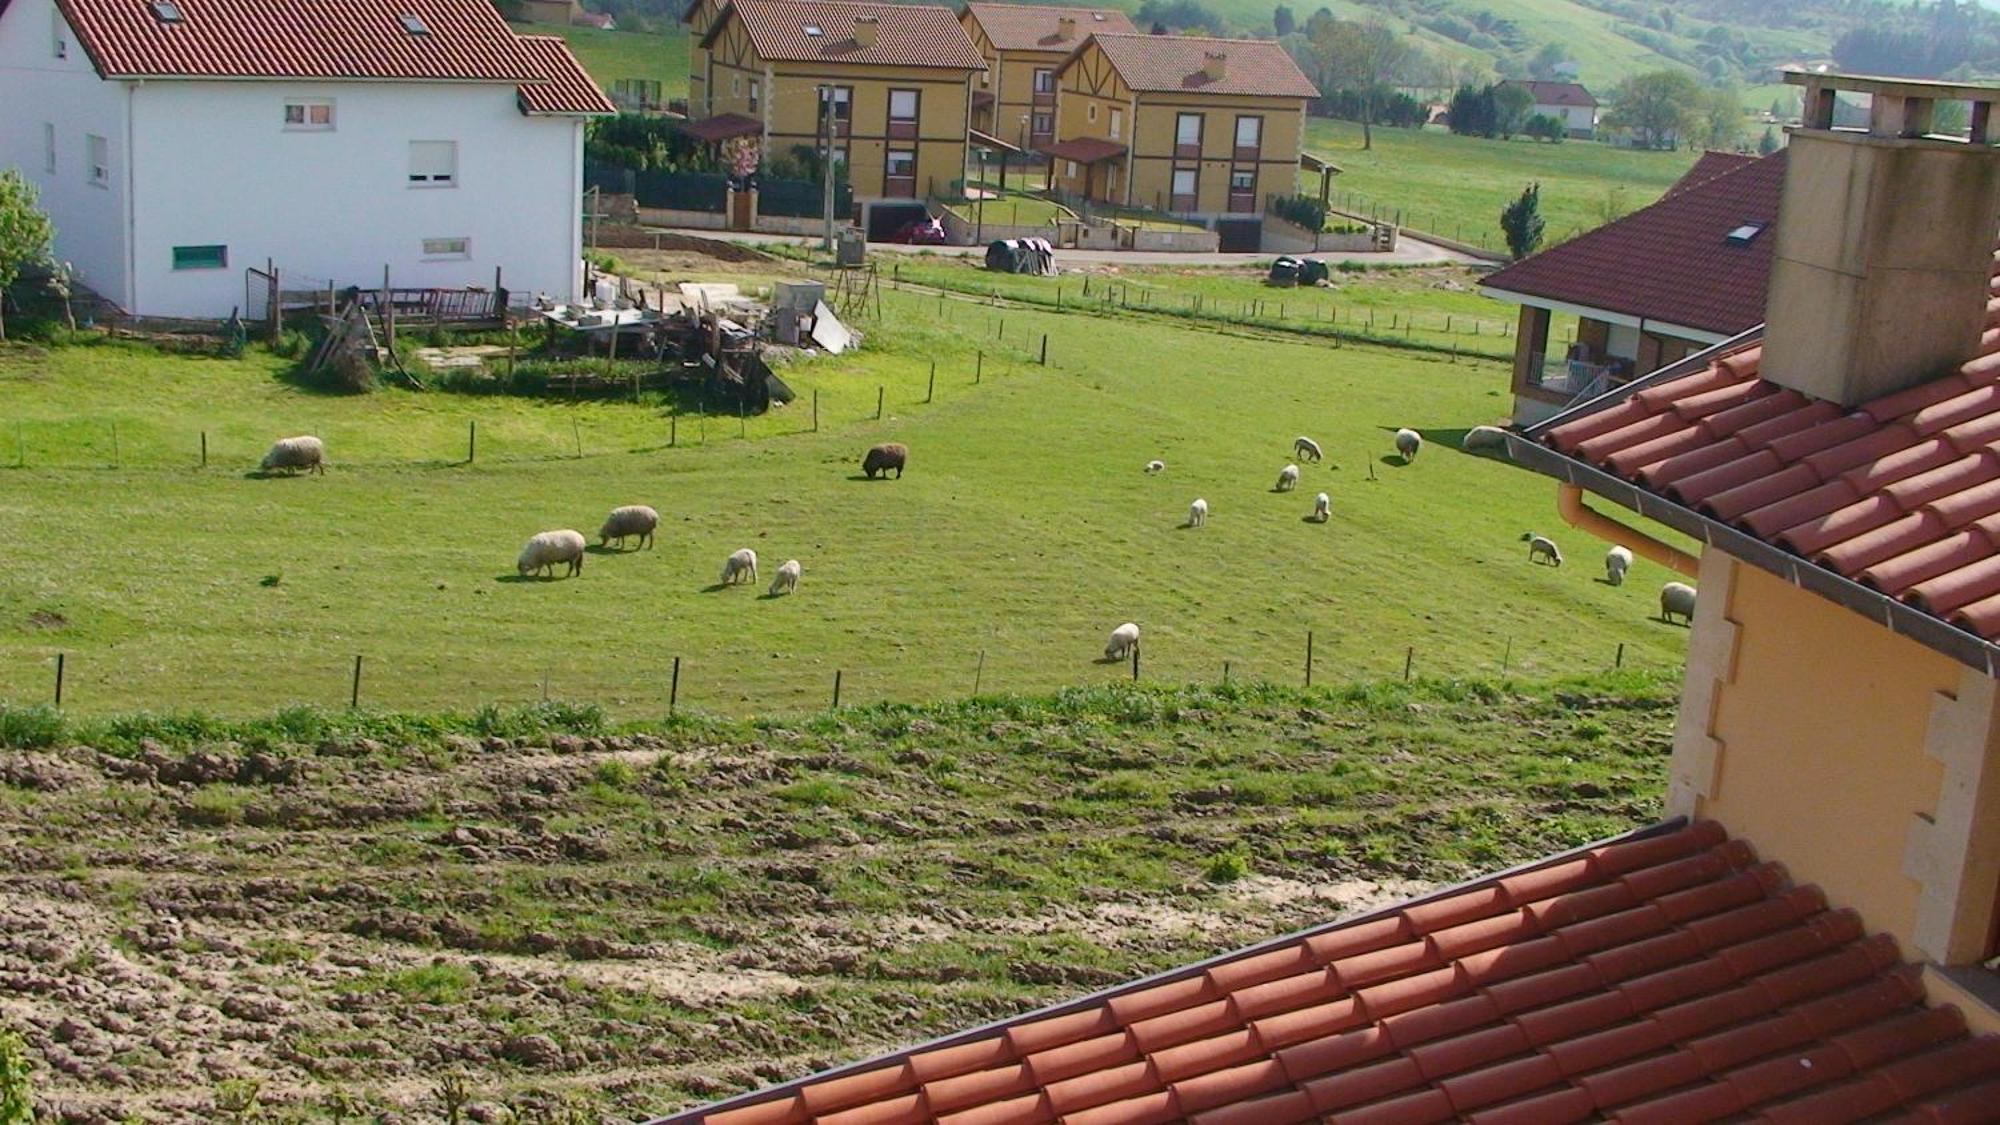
(741, 155)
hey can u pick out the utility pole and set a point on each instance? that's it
(826, 139)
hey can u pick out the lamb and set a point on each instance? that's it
(1124, 639)
(1288, 478)
(1198, 513)
(1543, 549)
(550, 548)
(787, 580)
(1617, 561)
(739, 567)
(629, 521)
(1322, 508)
(1408, 443)
(1156, 466)
(1483, 437)
(883, 457)
(1305, 449)
(1677, 598)
(294, 453)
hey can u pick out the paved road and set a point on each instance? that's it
(1409, 251)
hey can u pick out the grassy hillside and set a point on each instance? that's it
(1024, 529)
(1456, 186)
(611, 55)
(316, 919)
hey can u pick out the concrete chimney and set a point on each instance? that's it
(865, 28)
(1885, 238)
(1214, 64)
(1065, 28)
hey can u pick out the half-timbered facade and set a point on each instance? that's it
(900, 78)
(1208, 128)
(700, 17)
(1024, 45)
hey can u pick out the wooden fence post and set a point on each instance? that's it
(815, 410)
(204, 449)
(1135, 662)
(59, 678)
(674, 690)
(1409, 658)
(878, 403)
(836, 689)
(979, 673)
(1045, 349)
(1309, 658)
(978, 367)
(471, 440)
(354, 695)
(930, 390)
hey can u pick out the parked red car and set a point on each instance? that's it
(921, 232)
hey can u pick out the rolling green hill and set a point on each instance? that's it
(611, 55)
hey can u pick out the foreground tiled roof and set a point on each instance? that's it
(1035, 27)
(463, 40)
(1256, 67)
(1557, 93)
(1901, 494)
(907, 34)
(1666, 979)
(569, 89)
(1672, 262)
(1709, 165)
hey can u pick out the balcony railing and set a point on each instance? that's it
(1574, 377)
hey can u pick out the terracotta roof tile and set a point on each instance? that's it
(1901, 493)
(569, 89)
(1173, 63)
(1671, 262)
(1037, 27)
(1556, 93)
(906, 34)
(1662, 978)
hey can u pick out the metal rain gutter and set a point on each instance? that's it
(698, 1114)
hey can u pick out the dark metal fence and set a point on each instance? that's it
(801, 198)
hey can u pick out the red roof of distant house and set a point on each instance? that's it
(722, 127)
(1084, 150)
(1673, 262)
(1661, 979)
(906, 34)
(1557, 93)
(569, 89)
(1254, 67)
(1901, 494)
(1708, 166)
(1037, 27)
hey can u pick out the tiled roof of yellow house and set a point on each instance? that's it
(1158, 63)
(921, 35)
(1038, 27)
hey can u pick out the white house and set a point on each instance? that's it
(178, 143)
(1567, 102)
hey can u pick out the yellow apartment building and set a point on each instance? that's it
(1024, 45)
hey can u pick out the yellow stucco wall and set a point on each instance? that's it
(703, 19)
(1822, 719)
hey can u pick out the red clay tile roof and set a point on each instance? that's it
(1084, 150)
(1901, 494)
(1557, 93)
(1254, 67)
(1709, 165)
(906, 34)
(1661, 979)
(1671, 262)
(1034, 27)
(569, 89)
(465, 40)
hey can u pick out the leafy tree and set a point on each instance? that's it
(1521, 221)
(1282, 21)
(1768, 143)
(1658, 106)
(1472, 112)
(1512, 105)
(25, 234)
(1542, 127)
(1720, 119)
(1364, 56)
(1548, 61)
(1180, 15)
(16, 1106)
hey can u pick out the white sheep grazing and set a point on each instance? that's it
(1677, 598)
(628, 521)
(1617, 561)
(1156, 466)
(1408, 442)
(1483, 437)
(1198, 513)
(1288, 478)
(1543, 549)
(787, 580)
(1305, 449)
(1322, 507)
(548, 550)
(1124, 639)
(294, 453)
(740, 566)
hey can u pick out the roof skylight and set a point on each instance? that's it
(165, 11)
(1743, 235)
(414, 24)
(813, 29)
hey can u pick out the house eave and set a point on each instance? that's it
(1608, 316)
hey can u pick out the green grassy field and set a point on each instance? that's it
(1456, 186)
(1024, 529)
(611, 55)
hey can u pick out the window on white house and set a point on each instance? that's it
(97, 151)
(447, 248)
(48, 147)
(1117, 123)
(201, 257)
(433, 163)
(306, 114)
(58, 33)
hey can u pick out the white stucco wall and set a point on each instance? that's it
(216, 165)
(1575, 118)
(38, 89)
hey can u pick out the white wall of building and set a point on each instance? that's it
(1575, 118)
(218, 166)
(40, 93)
